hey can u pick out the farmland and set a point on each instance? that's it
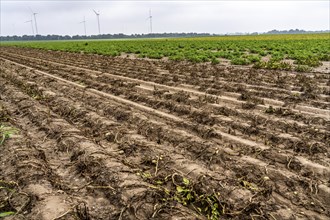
(91, 131)
(264, 51)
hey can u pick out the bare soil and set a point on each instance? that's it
(120, 138)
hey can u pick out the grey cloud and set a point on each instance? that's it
(63, 17)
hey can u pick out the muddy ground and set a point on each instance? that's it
(117, 138)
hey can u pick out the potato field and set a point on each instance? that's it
(130, 130)
(283, 52)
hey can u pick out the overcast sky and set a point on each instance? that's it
(220, 17)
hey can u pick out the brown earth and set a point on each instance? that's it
(119, 138)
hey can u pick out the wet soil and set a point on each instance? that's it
(117, 138)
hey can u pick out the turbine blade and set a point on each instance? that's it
(95, 12)
(30, 9)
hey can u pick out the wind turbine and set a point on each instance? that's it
(31, 25)
(35, 20)
(98, 20)
(84, 21)
(150, 19)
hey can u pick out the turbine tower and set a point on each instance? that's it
(150, 20)
(14, 29)
(84, 21)
(98, 20)
(35, 22)
(31, 25)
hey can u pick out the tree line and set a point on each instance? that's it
(137, 36)
(101, 36)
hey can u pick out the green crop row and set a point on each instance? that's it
(264, 51)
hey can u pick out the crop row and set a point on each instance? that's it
(199, 116)
(75, 112)
(305, 51)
